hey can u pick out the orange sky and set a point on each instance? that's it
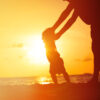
(21, 25)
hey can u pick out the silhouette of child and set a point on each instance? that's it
(56, 62)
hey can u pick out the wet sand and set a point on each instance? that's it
(72, 91)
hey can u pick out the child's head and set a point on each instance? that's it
(48, 34)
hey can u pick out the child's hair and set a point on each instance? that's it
(47, 34)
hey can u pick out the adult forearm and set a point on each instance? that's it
(60, 20)
(62, 17)
(67, 25)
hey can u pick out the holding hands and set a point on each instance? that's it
(49, 34)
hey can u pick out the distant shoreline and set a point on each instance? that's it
(46, 76)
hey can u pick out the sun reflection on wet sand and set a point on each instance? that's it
(45, 80)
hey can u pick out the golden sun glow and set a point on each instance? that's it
(45, 80)
(22, 51)
(35, 50)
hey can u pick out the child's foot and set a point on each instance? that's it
(66, 76)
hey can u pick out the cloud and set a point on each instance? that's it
(18, 45)
(84, 60)
(87, 59)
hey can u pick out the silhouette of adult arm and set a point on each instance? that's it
(67, 25)
(63, 16)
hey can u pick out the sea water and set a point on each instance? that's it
(43, 80)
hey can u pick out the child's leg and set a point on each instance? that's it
(54, 78)
(66, 76)
(53, 75)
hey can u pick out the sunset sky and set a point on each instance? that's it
(22, 51)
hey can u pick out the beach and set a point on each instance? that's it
(65, 91)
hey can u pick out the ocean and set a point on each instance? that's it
(43, 80)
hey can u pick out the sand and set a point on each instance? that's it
(71, 91)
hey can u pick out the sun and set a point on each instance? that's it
(35, 50)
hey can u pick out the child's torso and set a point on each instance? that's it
(50, 46)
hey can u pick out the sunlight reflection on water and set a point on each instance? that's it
(44, 80)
